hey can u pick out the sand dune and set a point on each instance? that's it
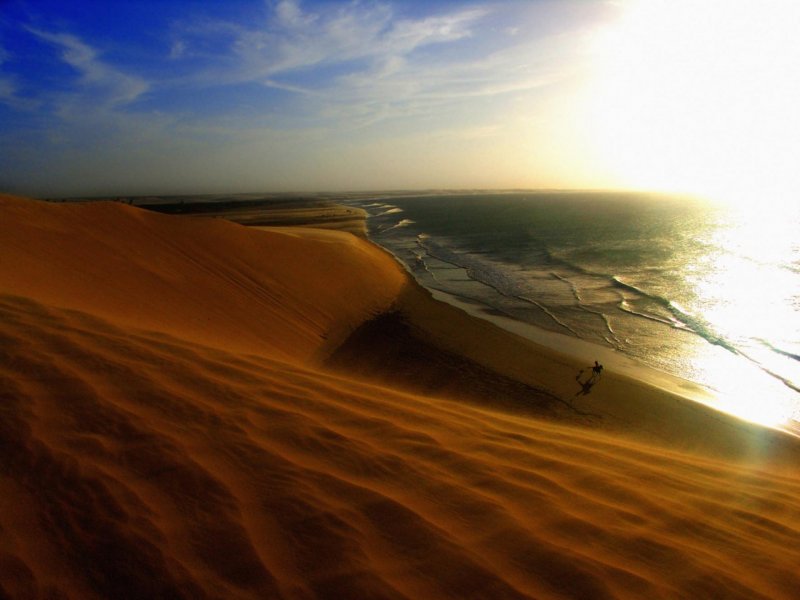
(207, 280)
(167, 432)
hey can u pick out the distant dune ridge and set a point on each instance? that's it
(193, 409)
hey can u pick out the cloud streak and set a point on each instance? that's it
(299, 40)
(298, 43)
(110, 86)
(365, 63)
(360, 63)
(9, 89)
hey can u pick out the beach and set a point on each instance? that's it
(193, 408)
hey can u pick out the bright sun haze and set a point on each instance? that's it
(701, 97)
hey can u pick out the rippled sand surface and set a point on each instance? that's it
(166, 431)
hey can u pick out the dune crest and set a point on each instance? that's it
(273, 292)
(146, 456)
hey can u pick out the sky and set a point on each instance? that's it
(185, 96)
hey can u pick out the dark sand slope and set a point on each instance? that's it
(142, 458)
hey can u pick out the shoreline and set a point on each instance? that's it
(588, 351)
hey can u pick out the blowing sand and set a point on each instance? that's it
(195, 409)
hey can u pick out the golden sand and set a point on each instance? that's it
(183, 418)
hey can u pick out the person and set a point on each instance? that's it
(591, 380)
(597, 369)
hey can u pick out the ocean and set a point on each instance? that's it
(701, 292)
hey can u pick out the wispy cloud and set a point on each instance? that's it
(350, 64)
(298, 40)
(292, 40)
(177, 50)
(9, 88)
(363, 62)
(400, 86)
(109, 85)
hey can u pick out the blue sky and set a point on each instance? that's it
(184, 96)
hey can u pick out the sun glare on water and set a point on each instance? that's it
(700, 97)
(749, 294)
(742, 292)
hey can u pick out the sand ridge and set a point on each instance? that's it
(208, 279)
(149, 462)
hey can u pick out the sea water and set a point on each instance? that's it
(703, 292)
